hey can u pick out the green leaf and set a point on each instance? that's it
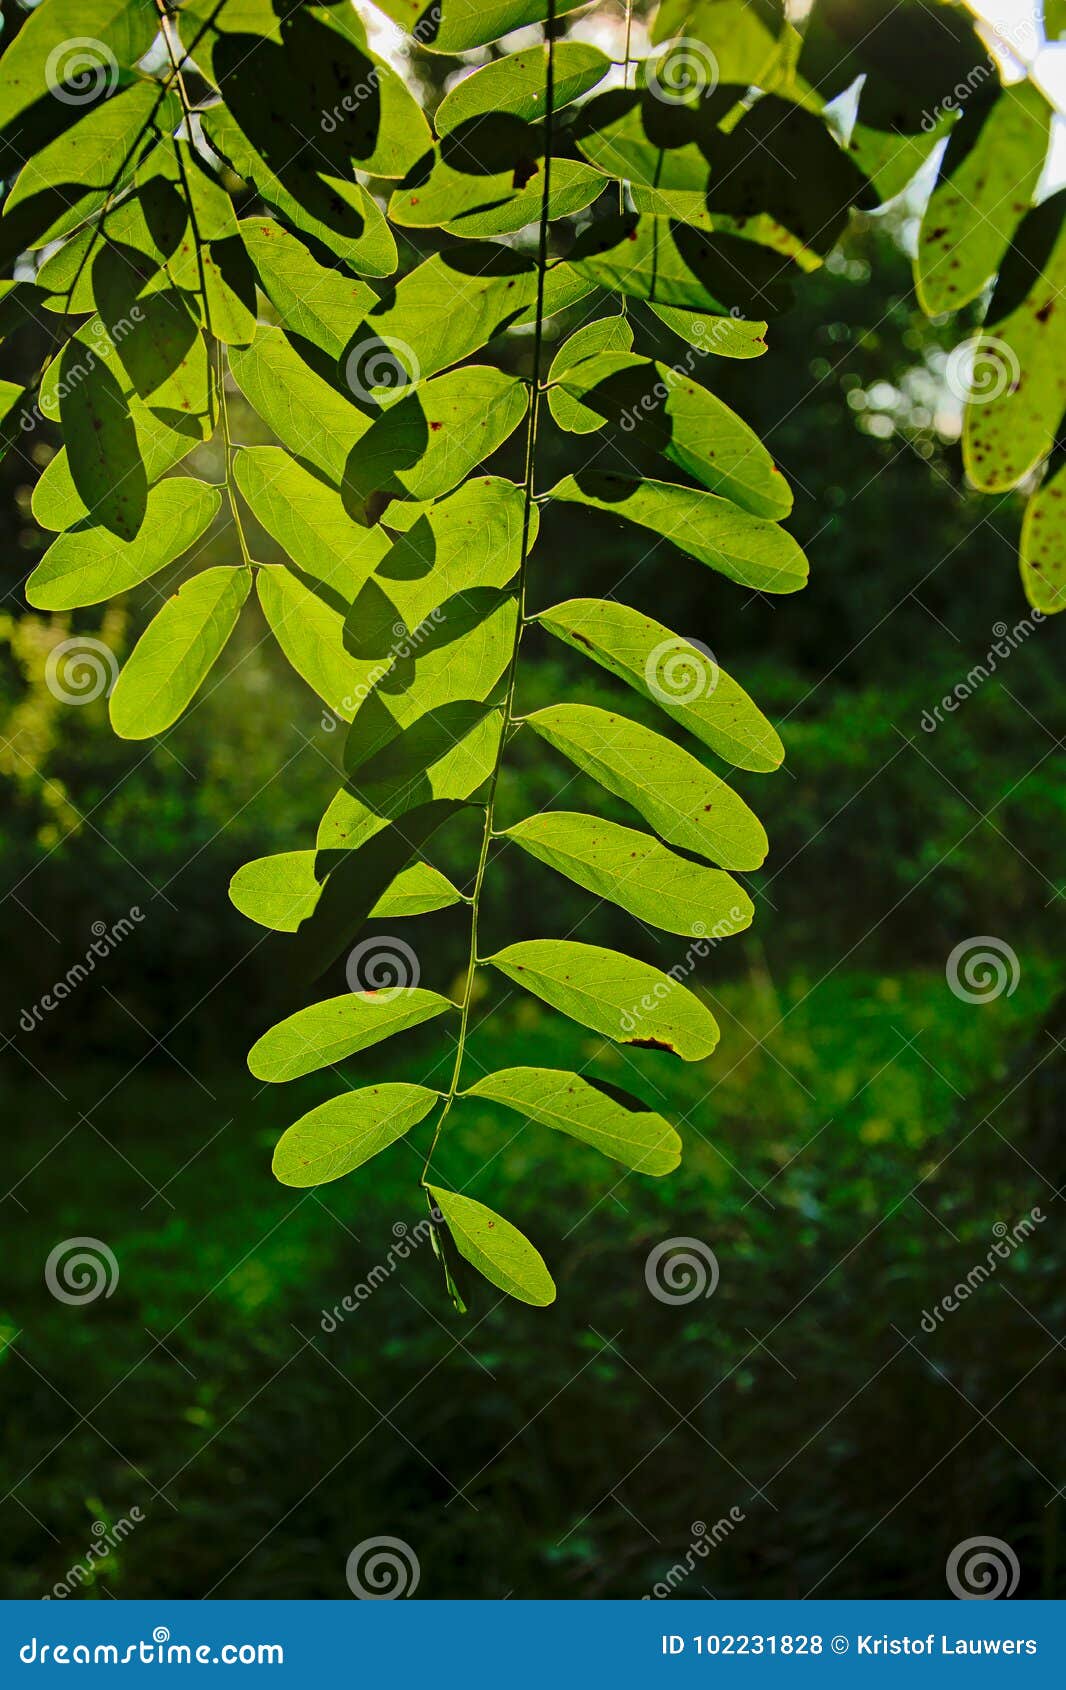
(158, 447)
(358, 874)
(309, 521)
(314, 88)
(210, 207)
(470, 541)
(633, 1136)
(502, 1254)
(686, 805)
(97, 155)
(744, 37)
(606, 334)
(309, 628)
(458, 657)
(483, 181)
(432, 438)
(722, 337)
(669, 264)
(633, 135)
(454, 26)
(317, 303)
(1043, 542)
(449, 306)
(911, 55)
(445, 756)
(87, 565)
(625, 1000)
(175, 653)
(636, 872)
(745, 548)
(281, 891)
(665, 409)
(161, 349)
(340, 214)
(224, 284)
(681, 677)
(517, 85)
(103, 454)
(308, 415)
(327, 1032)
(144, 229)
(67, 53)
(1018, 386)
(346, 1131)
(778, 178)
(988, 175)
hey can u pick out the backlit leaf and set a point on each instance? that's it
(988, 174)
(346, 1131)
(308, 415)
(625, 1000)
(280, 891)
(669, 411)
(315, 302)
(327, 1032)
(517, 85)
(87, 565)
(175, 653)
(746, 548)
(1018, 387)
(637, 1137)
(685, 804)
(428, 441)
(1043, 542)
(636, 872)
(309, 627)
(309, 522)
(502, 1254)
(668, 263)
(682, 678)
(606, 334)
(453, 26)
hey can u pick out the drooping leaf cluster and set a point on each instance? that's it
(216, 197)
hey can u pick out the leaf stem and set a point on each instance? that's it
(166, 26)
(488, 831)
